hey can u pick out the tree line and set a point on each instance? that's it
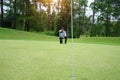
(48, 15)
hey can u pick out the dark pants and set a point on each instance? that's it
(61, 40)
(65, 39)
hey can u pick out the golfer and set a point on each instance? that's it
(62, 35)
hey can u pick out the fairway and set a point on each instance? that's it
(46, 60)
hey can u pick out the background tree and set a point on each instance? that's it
(1, 13)
(47, 15)
(79, 17)
(63, 16)
(105, 10)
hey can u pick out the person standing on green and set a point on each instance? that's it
(62, 35)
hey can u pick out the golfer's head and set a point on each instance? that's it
(62, 28)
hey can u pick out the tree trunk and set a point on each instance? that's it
(107, 22)
(27, 14)
(81, 26)
(93, 21)
(15, 12)
(40, 15)
(93, 17)
(23, 14)
(2, 13)
(107, 26)
(10, 6)
(48, 19)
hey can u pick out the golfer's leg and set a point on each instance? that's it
(60, 40)
(65, 40)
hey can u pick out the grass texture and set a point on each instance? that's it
(39, 56)
(45, 60)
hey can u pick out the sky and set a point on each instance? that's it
(89, 11)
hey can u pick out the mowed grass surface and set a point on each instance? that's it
(45, 60)
(39, 56)
(10, 34)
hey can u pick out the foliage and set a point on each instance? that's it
(81, 21)
(47, 15)
(108, 17)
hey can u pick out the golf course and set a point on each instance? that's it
(39, 56)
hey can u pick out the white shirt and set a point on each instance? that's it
(62, 34)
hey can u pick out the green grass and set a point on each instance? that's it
(33, 56)
(11, 34)
(45, 60)
(99, 40)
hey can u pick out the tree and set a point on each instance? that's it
(106, 11)
(64, 15)
(94, 9)
(15, 13)
(2, 13)
(79, 17)
(28, 14)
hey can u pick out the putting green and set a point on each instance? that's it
(46, 60)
